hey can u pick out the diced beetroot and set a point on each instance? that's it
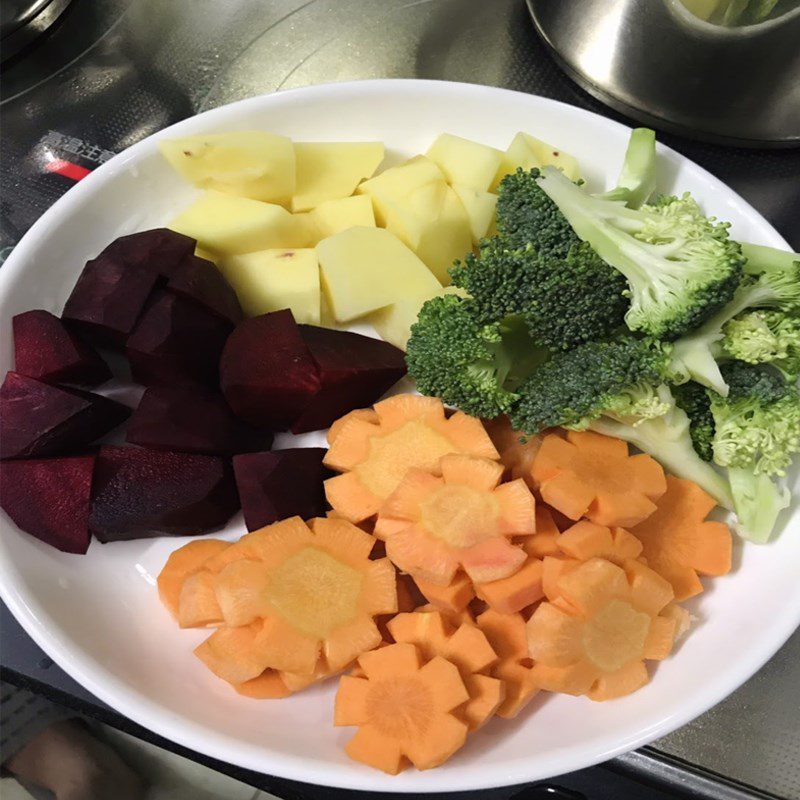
(45, 349)
(141, 493)
(108, 299)
(189, 421)
(159, 249)
(355, 371)
(267, 373)
(281, 484)
(37, 419)
(201, 281)
(176, 343)
(50, 498)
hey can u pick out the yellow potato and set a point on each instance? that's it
(206, 254)
(225, 224)
(432, 221)
(332, 170)
(253, 164)
(480, 208)
(397, 183)
(527, 152)
(335, 216)
(465, 162)
(270, 280)
(363, 269)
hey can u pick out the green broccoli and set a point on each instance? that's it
(765, 337)
(757, 431)
(693, 399)
(759, 258)
(637, 180)
(468, 364)
(695, 355)
(578, 386)
(680, 266)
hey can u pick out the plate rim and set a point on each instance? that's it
(194, 735)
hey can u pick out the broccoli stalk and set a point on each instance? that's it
(760, 258)
(667, 438)
(695, 355)
(637, 180)
(758, 501)
(680, 266)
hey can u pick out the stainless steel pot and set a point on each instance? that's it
(656, 62)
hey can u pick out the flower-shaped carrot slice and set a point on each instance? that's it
(462, 519)
(595, 638)
(507, 635)
(182, 563)
(403, 709)
(589, 475)
(466, 647)
(307, 592)
(455, 596)
(544, 541)
(410, 432)
(585, 540)
(679, 543)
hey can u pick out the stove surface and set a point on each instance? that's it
(110, 72)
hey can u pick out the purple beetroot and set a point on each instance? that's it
(201, 281)
(190, 421)
(355, 371)
(37, 419)
(49, 498)
(113, 288)
(280, 484)
(141, 493)
(267, 373)
(176, 343)
(45, 349)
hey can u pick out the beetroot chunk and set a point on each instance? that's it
(192, 422)
(37, 419)
(281, 484)
(45, 349)
(201, 281)
(267, 373)
(142, 493)
(160, 250)
(176, 343)
(355, 371)
(50, 498)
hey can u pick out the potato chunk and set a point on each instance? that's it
(465, 162)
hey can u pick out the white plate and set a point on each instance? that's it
(98, 616)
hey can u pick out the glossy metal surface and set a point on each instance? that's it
(22, 21)
(655, 61)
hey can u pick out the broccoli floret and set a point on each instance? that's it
(468, 364)
(759, 259)
(667, 438)
(695, 356)
(637, 180)
(694, 400)
(758, 500)
(575, 387)
(565, 300)
(758, 425)
(680, 266)
(765, 337)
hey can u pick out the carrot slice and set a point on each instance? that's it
(595, 638)
(679, 543)
(403, 710)
(589, 475)
(181, 563)
(511, 594)
(375, 453)
(197, 605)
(233, 654)
(462, 519)
(553, 567)
(267, 686)
(517, 450)
(363, 414)
(466, 647)
(507, 635)
(544, 541)
(586, 539)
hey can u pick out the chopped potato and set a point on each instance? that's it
(480, 208)
(527, 152)
(336, 216)
(465, 162)
(270, 280)
(363, 269)
(332, 170)
(229, 225)
(253, 164)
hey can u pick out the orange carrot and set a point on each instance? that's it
(511, 594)
(585, 540)
(266, 686)
(181, 563)
(454, 597)
(517, 451)
(197, 605)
